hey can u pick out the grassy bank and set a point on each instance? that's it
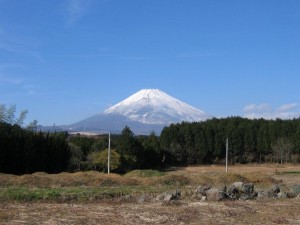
(93, 186)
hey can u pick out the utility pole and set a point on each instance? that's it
(108, 155)
(226, 155)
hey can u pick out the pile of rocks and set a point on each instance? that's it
(166, 197)
(245, 191)
(236, 191)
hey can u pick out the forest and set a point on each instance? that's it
(26, 150)
(250, 140)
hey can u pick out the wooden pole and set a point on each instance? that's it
(108, 155)
(226, 155)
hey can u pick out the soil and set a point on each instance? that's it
(209, 213)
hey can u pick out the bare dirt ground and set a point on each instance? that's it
(228, 212)
(186, 211)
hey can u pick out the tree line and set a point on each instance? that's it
(257, 140)
(26, 150)
(128, 152)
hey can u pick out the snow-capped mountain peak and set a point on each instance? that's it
(153, 106)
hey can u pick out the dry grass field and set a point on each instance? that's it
(96, 198)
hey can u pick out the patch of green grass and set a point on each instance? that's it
(73, 193)
(291, 172)
(172, 181)
(145, 173)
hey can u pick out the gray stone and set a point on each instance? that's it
(238, 185)
(169, 197)
(177, 194)
(203, 189)
(141, 199)
(245, 197)
(272, 194)
(214, 194)
(254, 194)
(274, 189)
(160, 197)
(282, 195)
(204, 198)
(198, 196)
(233, 192)
(262, 195)
(295, 189)
(223, 188)
(248, 189)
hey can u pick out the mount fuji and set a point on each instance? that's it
(145, 111)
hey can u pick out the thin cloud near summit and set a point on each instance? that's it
(266, 111)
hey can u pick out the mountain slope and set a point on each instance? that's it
(152, 106)
(145, 111)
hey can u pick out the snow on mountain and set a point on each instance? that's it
(145, 111)
(153, 106)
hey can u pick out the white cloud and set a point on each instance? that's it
(266, 111)
(264, 107)
(287, 107)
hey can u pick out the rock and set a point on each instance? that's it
(160, 197)
(245, 197)
(214, 194)
(224, 188)
(141, 199)
(274, 189)
(198, 196)
(233, 192)
(203, 189)
(298, 196)
(238, 185)
(254, 194)
(248, 192)
(282, 195)
(174, 196)
(262, 195)
(145, 198)
(272, 195)
(177, 194)
(204, 198)
(168, 197)
(295, 190)
(248, 189)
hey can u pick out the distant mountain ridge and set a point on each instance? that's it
(145, 111)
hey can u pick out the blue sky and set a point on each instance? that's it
(65, 60)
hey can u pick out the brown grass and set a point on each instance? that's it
(214, 213)
(110, 211)
(87, 179)
(213, 175)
